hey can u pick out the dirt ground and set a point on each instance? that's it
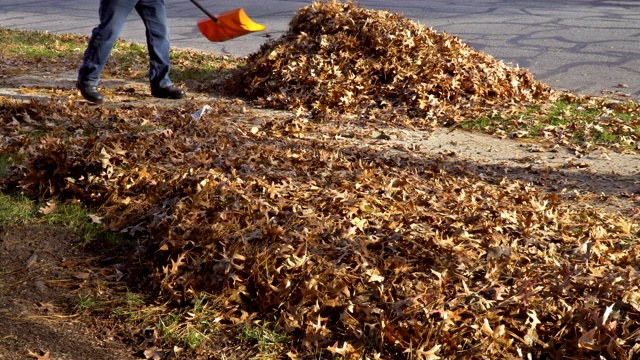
(41, 267)
(43, 272)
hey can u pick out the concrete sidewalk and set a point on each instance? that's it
(587, 46)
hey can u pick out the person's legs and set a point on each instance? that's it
(153, 14)
(113, 14)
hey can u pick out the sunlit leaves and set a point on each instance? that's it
(355, 250)
(346, 245)
(342, 58)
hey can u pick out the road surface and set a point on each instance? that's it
(586, 46)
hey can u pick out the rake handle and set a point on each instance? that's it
(213, 17)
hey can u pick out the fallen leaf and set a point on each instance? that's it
(51, 206)
(153, 353)
(45, 356)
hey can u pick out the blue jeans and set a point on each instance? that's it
(113, 14)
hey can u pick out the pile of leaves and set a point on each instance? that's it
(355, 250)
(340, 57)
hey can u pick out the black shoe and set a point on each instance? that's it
(168, 92)
(90, 92)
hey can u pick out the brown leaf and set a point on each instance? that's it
(37, 356)
(153, 353)
(51, 206)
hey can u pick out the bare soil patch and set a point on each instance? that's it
(44, 273)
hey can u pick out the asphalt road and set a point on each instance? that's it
(587, 46)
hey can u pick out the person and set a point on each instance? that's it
(113, 14)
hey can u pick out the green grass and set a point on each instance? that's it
(191, 328)
(573, 119)
(268, 337)
(39, 44)
(6, 161)
(86, 303)
(187, 66)
(201, 67)
(132, 302)
(128, 60)
(76, 217)
(16, 210)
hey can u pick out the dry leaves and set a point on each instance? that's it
(37, 356)
(357, 251)
(340, 57)
(347, 246)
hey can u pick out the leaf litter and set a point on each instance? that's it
(355, 250)
(340, 57)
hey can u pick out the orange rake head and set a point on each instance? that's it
(230, 24)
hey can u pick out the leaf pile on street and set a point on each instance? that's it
(355, 250)
(340, 57)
